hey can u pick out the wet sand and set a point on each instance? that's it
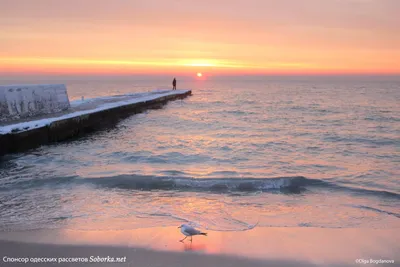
(161, 247)
(102, 255)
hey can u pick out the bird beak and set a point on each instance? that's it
(179, 226)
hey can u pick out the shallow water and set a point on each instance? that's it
(240, 152)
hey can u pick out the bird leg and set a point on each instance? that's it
(191, 238)
(182, 239)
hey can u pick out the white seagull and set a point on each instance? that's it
(188, 230)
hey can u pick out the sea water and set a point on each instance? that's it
(242, 152)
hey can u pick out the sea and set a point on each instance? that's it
(241, 152)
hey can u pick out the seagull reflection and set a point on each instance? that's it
(194, 247)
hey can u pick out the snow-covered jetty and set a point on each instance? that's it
(81, 117)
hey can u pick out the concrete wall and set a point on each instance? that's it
(22, 101)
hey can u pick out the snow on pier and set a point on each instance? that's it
(88, 106)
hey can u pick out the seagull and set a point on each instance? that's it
(188, 230)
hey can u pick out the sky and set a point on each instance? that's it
(209, 36)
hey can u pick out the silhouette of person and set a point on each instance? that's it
(174, 84)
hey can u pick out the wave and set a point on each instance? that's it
(291, 184)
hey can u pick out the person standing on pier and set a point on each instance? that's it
(174, 84)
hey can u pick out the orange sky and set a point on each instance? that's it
(214, 36)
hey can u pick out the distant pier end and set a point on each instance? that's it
(28, 126)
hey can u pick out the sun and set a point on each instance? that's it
(199, 74)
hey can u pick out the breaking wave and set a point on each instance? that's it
(291, 184)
